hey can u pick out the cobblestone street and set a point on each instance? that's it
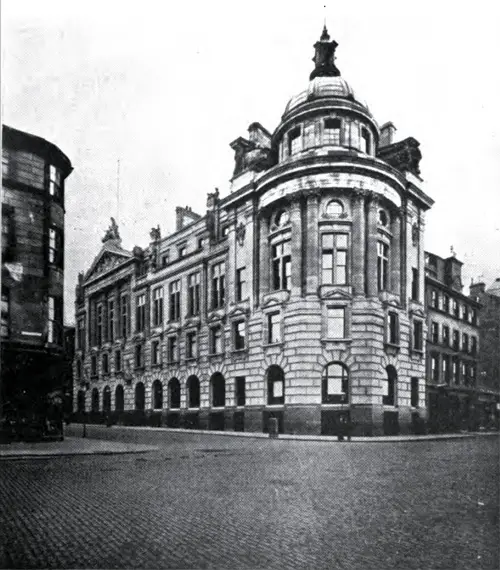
(207, 501)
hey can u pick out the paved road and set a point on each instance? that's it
(221, 502)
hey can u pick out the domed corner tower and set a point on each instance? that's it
(340, 264)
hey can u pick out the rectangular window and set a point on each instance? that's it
(191, 344)
(241, 284)
(93, 365)
(155, 353)
(124, 315)
(273, 328)
(393, 322)
(382, 266)
(365, 141)
(465, 375)
(334, 259)
(294, 142)
(55, 246)
(218, 286)
(157, 306)
(194, 294)
(456, 340)
(418, 328)
(172, 349)
(105, 363)
(282, 266)
(474, 316)
(335, 322)
(239, 335)
(165, 259)
(8, 233)
(435, 368)
(54, 181)
(182, 251)
(80, 334)
(331, 133)
(5, 312)
(118, 360)
(446, 303)
(456, 371)
(473, 345)
(216, 340)
(456, 308)
(99, 324)
(55, 320)
(465, 313)
(415, 284)
(414, 393)
(435, 332)
(472, 374)
(446, 335)
(175, 300)
(465, 342)
(445, 367)
(140, 312)
(239, 389)
(139, 356)
(111, 320)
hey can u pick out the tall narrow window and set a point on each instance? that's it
(124, 315)
(155, 353)
(216, 340)
(273, 328)
(282, 266)
(157, 306)
(191, 344)
(335, 319)
(105, 363)
(172, 349)
(418, 342)
(446, 303)
(365, 141)
(100, 324)
(139, 356)
(415, 282)
(334, 259)
(414, 399)
(456, 340)
(435, 368)
(389, 396)
(140, 312)
(456, 371)
(54, 181)
(239, 389)
(194, 294)
(465, 342)
(393, 323)
(241, 284)
(5, 312)
(446, 335)
(218, 286)
(331, 133)
(382, 266)
(111, 320)
(80, 334)
(294, 142)
(118, 361)
(239, 335)
(55, 320)
(335, 384)
(175, 301)
(435, 332)
(473, 345)
(93, 365)
(445, 368)
(55, 246)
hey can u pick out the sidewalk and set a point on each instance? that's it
(70, 446)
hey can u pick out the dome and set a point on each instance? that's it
(324, 87)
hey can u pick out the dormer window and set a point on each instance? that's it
(294, 143)
(365, 141)
(331, 134)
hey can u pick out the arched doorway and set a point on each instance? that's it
(275, 386)
(119, 399)
(80, 402)
(174, 394)
(335, 384)
(157, 395)
(193, 392)
(218, 390)
(95, 400)
(139, 397)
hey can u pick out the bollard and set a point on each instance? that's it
(273, 427)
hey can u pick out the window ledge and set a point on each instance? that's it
(191, 359)
(172, 362)
(141, 367)
(118, 372)
(158, 365)
(239, 351)
(274, 344)
(335, 340)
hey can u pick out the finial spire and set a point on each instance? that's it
(324, 57)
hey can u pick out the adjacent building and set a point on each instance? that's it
(33, 184)
(298, 295)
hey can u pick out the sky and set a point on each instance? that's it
(164, 87)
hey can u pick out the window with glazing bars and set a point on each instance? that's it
(175, 300)
(282, 265)
(382, 266)
(218, 285)
(331, 132)
(157, 306)
(194, 294)
(334, 259)
(140, 312)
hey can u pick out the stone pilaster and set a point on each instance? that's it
(358, 244)
(296, 247)
(312, 245)
(263, 275)
(396, 254)
(371, 247)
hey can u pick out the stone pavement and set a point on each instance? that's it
(211, 501)
(70, 446)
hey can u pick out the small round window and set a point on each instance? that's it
(282, 218)
(334, 209)
(382, 218)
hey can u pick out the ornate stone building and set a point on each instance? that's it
(299, 295)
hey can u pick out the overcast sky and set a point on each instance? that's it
(164, 87)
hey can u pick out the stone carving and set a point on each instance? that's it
(155, 233)
(415, 234)
(240, 233)
(112, 232)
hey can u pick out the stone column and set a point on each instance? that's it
(371, 247)
(358, 243)
(312, 245)
(263, 275)
(396, 253)
(296, 246)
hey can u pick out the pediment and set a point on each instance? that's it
(338, 294)
(238, 311)
(106, 261)
(418, 313)
(215, 316)
(392, 304)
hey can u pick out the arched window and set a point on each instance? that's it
(157, 395)
(331, 133)
(335, 384)
(334, 208)
(95, 400)
(81, 401)
(275, 385)
(106, 399)
(389, 397)
(119, 399)
(139, 397)
(365, 141)
(174, 394)
(218, 390)
(193, 392)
